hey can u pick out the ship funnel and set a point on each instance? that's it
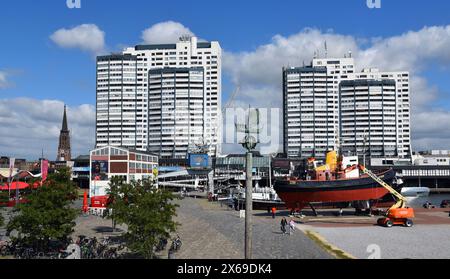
(332, 160)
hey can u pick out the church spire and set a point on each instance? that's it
(64, 152)
(65, 127)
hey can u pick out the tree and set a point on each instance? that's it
(3, 200)
(47, 216)
(2, 220)
(147, 211)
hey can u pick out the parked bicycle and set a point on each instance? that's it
(91, 248)
(176, 244)
(162, 244)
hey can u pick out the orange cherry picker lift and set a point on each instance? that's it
(399, 213)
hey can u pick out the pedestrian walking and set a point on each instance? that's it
(274, 212)
(284, 223)
(291, 226)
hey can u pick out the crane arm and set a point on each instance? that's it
(401, 200)
(231, 99)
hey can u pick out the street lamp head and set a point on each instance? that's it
(249, 143)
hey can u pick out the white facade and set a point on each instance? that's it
(432, 160)
(403, 105)
(108, 162)
(310, 116)
(123, 111)
(310, 128)
(368, 118)
(177, 102)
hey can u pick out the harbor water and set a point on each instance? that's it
(434, 199)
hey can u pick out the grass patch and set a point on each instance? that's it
(339, 254)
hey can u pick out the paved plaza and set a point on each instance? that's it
(210, 231)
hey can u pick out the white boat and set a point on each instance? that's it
(415, 192)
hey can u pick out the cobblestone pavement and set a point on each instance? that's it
(93, 226)
(210, 231)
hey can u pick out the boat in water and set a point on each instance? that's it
(415, 192)
(262, 198)
(339, 180)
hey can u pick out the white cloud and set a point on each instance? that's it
(4, 83)
(87, 37)
(30, 125)
(165, 32)
(259, 72)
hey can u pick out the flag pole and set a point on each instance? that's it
(12, 162)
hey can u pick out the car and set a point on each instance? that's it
(445, 204)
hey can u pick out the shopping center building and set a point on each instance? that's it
(108, 162)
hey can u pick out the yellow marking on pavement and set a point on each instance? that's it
(322, 242)
(330, 248)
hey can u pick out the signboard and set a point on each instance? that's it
(81, 169)
(199, 161)
(170, 169)
(44, 170)
(155, 172)
(100, 169)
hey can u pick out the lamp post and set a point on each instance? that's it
(249, 143)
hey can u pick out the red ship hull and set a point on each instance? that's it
(300, 194)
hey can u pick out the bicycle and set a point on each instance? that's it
(176, 244)
(161, 245)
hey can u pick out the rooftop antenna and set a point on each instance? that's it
(326, 50)
(350, 53)
(185, 38)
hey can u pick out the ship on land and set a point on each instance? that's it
(338, 181)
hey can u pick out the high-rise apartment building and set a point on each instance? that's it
(311, 106)
(310, 115)
(129, 99)
(403, 105)
(177, 110)
(368, 121)
(314, 100)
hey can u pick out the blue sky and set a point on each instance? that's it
(38, 68)
(46, 71)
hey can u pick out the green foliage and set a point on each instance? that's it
(148, 212)
(3, 200)
(48, 214)
(4, 197)
(2, 220)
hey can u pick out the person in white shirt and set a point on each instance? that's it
(291, 226)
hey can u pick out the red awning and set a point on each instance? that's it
(14, 185)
